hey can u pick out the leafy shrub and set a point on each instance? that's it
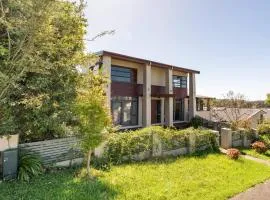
(29, 165)
(233, 153)
(172, 138)
(101, 163)
(265, 139)
(124, 146)
(259, 147)
(264, 128)
(205, 139)
(196, 122)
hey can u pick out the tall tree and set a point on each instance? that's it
(40, 47)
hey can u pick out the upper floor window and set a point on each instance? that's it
(122, 74)
(180, 81)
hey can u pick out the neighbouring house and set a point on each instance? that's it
(223, 115)
(144, 92)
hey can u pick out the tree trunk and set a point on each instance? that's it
(88, 162)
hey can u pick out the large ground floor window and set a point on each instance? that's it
(178, 110)
(125, 111)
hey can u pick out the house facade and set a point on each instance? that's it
(142, 92)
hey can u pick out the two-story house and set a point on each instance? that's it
(143, 92)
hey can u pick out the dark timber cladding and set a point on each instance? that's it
(134, 90)
(144, 61)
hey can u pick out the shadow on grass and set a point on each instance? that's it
(60, 185)
(267, 153)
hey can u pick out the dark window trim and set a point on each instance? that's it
(132, 75)
(181, 81)
(182, 111)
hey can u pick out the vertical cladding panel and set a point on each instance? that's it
(52, 151)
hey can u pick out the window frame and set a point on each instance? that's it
(122, 101)
(181, 111)
(130, 74)
(179, 81)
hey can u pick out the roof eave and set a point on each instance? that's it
(144, 61)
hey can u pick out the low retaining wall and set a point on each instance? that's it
(65, 151)
(59, 152)
(239, 138)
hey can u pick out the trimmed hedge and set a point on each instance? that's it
(123, 146)
(205, 140)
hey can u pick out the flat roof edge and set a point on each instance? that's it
(140, 60)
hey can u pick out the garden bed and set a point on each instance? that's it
(212, 176)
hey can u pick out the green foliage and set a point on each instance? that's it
(264, 128)
(101, 163)
(267, 101)
(121, 147)
(92, 110)
(266, 139)
(173, 138)
(29, 166)
(42, 44)
(196, 122)
(205, 140)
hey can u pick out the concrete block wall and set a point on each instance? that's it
(237, 138)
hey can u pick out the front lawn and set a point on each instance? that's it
(252, 152)
(211, 176)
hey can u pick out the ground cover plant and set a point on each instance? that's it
(211, 176)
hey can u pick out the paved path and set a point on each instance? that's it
(258, 192)
(256, 160)
(249, 158)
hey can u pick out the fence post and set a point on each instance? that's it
(157, 146)
(226, 138)
(255, 133)
(246, 143)
(99, 151)
(192, 143)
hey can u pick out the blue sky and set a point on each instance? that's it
(227, 40)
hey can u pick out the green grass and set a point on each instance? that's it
(252, 152)
(211, 176)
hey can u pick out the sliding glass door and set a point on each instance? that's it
(125, 111)
(178, 110)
